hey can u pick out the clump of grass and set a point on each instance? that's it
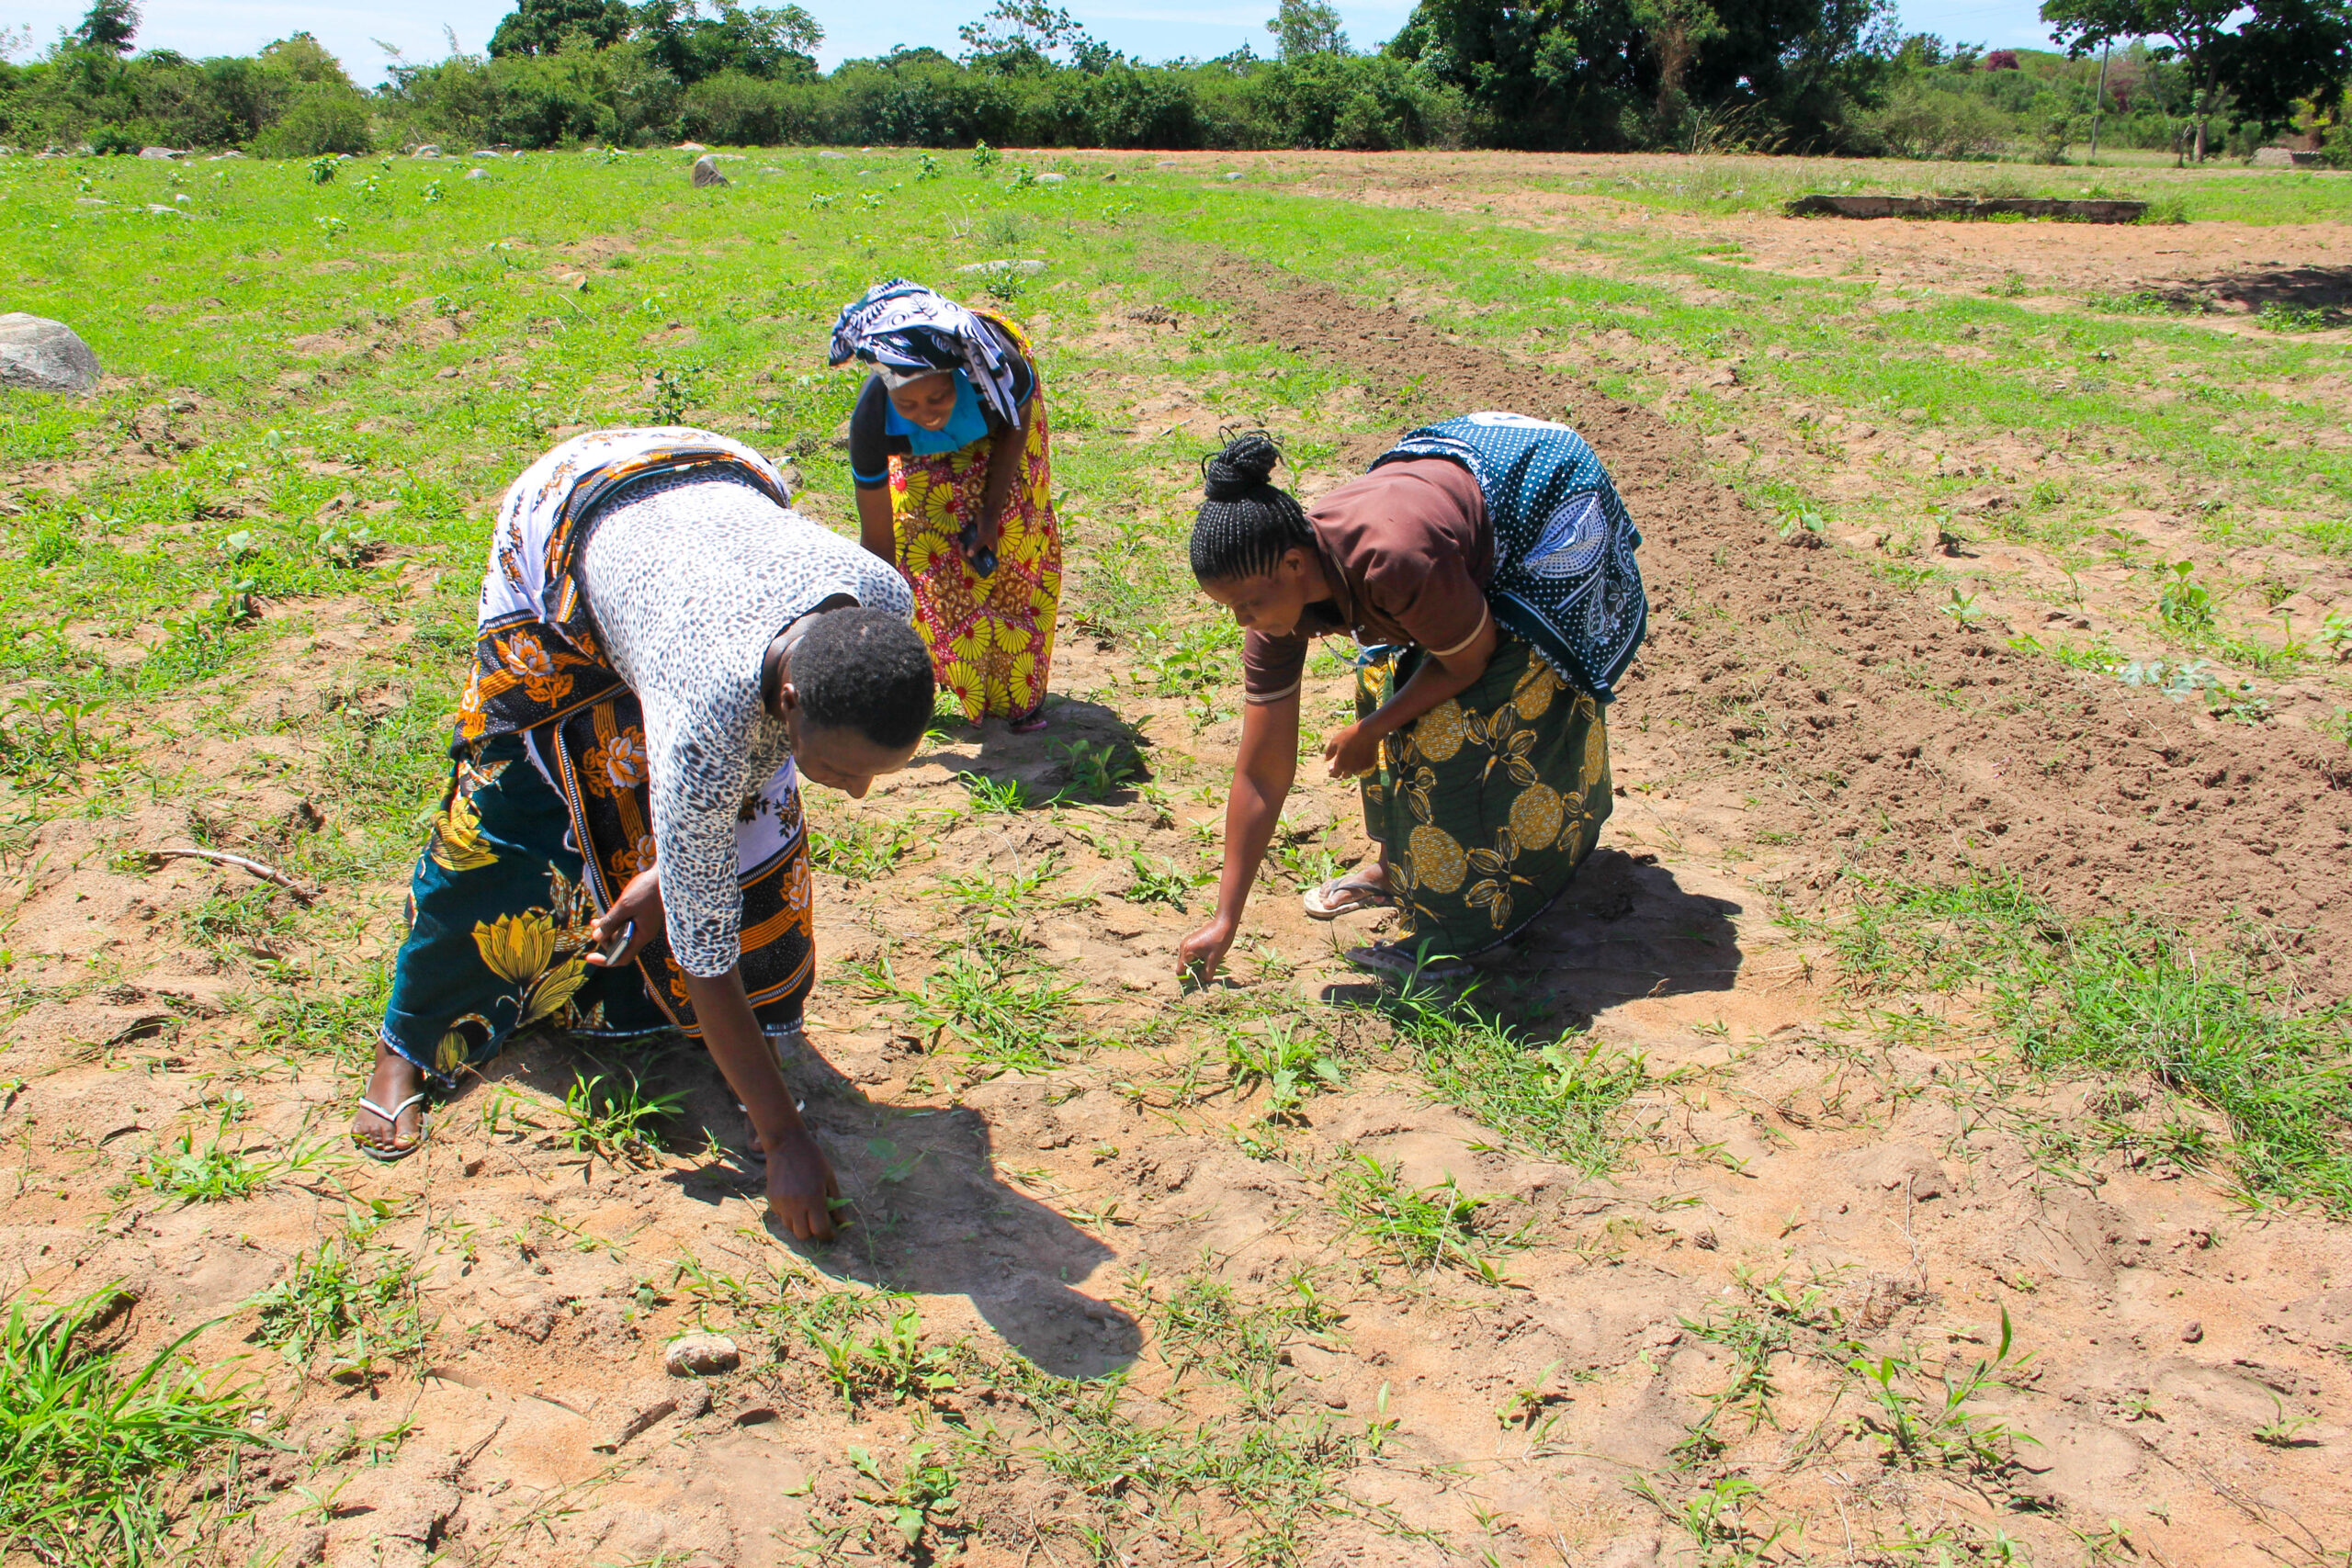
(1428, 1228)
(1562, 1098)
(2131, 996)
(616, 1117)
(222, 1169)
(862, 848)
(1204, 1324)
(345, 1306)
(1292, 1062)
(890, 1364)
(82, 1449)
(1000, 1008)
(1253, 1487)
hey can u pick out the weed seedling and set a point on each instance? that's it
(617, 1118)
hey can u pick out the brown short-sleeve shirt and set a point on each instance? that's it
(1407, 552)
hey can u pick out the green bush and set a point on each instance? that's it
(321, 119)
(113, 141)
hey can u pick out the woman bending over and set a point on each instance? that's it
(1485, 568)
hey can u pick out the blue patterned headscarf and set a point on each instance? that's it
(1564, 575)
(904, 326)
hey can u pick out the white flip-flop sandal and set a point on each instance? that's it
(1321, 902)
(393, 1153)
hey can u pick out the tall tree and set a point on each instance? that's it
(1305, 27)
(540, 27)
(1023, 35)
(108, 25)
(2284, 50)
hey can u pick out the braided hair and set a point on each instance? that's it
(1245, 523)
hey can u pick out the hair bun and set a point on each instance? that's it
(1246, 462)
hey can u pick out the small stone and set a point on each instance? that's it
(163, 151)
(44, 355)
(691, 147)
(1051, 179)
(427, 151)
(1231, 177)
(694, 1355)
(833, 157)
(705, 172)
(476, 173)
(2192, 1334)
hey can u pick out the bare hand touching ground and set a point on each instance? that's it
(801, 1186)
(1200, 953)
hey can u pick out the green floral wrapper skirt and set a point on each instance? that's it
(1488, 803)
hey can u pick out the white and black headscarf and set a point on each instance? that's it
(904, 327)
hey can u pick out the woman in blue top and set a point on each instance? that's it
(948, 448)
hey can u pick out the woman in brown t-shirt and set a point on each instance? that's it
(1485, 776)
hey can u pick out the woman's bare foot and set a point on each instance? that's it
(396, 1079)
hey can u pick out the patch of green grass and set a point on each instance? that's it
(222, 1169)
(1293, 1060)
(1237, 1487)
(1161, 883)
(1003, 1012)
(85, 1450)
(863, 847)
(349, 1307)
(2130, 996)
(612, 1115)
(888, 1364)
(1428, 1228)
(1006, 898)
(1204, 1324)
(1561, 1098)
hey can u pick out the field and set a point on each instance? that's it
(1920, 1137)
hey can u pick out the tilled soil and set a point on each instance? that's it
(1804, 1194)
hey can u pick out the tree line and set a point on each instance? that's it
(1822, 76)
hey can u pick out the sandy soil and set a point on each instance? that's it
(1858, 1192)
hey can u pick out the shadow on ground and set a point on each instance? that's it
(2322, 290)
(928, 1213)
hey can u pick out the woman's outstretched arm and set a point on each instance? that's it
(1261, 778)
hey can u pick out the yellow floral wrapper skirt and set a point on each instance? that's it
(992, 639)
(1488, 804)
(502, 900)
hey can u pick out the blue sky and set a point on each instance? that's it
(1154, 32)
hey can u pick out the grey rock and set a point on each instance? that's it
(427, 151)
(835, 157)
(1230, 177)
(691, 147)
(1051, 179)
(476, 173)
(44, 355)
(694, 1355)
(163, 151)
(707, 173)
